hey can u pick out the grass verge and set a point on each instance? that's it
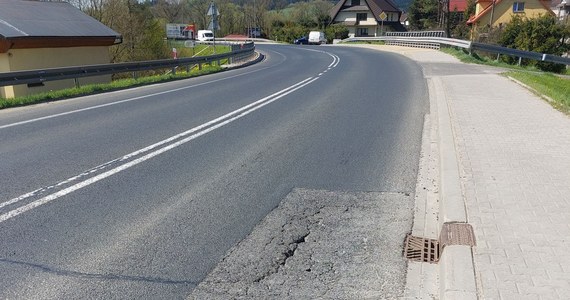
(465, 57)
(197, 50)
(100, 88)
(118, 84)
(554, 87)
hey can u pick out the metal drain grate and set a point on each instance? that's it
(457, 234)
(422, 249)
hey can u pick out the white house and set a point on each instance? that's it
(367, 17)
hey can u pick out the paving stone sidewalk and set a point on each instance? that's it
(514, 151)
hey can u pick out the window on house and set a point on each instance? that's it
(355, 2)
(518, 7)
(361, 31)
(361, 16)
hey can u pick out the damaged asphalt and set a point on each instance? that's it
(319, 244)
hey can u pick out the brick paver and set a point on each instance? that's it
(514, 152)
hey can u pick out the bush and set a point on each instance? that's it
(542, 34)
(336, 31)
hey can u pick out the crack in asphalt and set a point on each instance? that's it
(319, 244)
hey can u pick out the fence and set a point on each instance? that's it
(416, 39)
(418, 34)
(38, 76)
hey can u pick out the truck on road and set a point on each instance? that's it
(205, 35)
(317, 38)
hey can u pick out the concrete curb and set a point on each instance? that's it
(456, 268)
(456, 264)
(258, 58)
(532, 90)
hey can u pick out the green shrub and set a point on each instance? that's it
(543, 34)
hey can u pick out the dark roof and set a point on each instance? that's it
(376, 6)
(355, 8)
(22, 18)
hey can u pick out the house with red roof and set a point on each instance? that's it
(458, 6)
(496, 13)
(367, 17)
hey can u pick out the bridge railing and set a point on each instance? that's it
(437, 42)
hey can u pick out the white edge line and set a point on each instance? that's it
(124, 101)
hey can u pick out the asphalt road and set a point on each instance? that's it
(139, 193)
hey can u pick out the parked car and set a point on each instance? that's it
(317, 37)
(301, 41)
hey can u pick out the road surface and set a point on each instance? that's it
(139, 193)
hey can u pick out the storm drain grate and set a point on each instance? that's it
(421, 249)
(457, 234)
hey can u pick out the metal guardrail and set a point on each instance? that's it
(39, 76)
(520, 53)
(436, 42)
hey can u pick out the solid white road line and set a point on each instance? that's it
(148, 148)
(198, 131)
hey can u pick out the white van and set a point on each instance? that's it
(317, 37)
(205, 35)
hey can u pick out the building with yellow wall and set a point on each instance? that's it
(39, 35)
(496, 13)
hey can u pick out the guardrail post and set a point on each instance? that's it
(188, 69)
(200, 66)
(520, 61)
(76, 81)
(173, 70)
(498, 56)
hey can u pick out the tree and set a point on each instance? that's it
(321, 11)
(199, 12)
(460, 29)
(423, 14)
(231, 19)
(172, 11)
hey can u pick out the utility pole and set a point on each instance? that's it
(492, 14)
(213, 12)
(448, 20)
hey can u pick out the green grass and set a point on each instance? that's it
(183, 52)
(198, 50)
(100, 88)
(555, 87)
(465, 57)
